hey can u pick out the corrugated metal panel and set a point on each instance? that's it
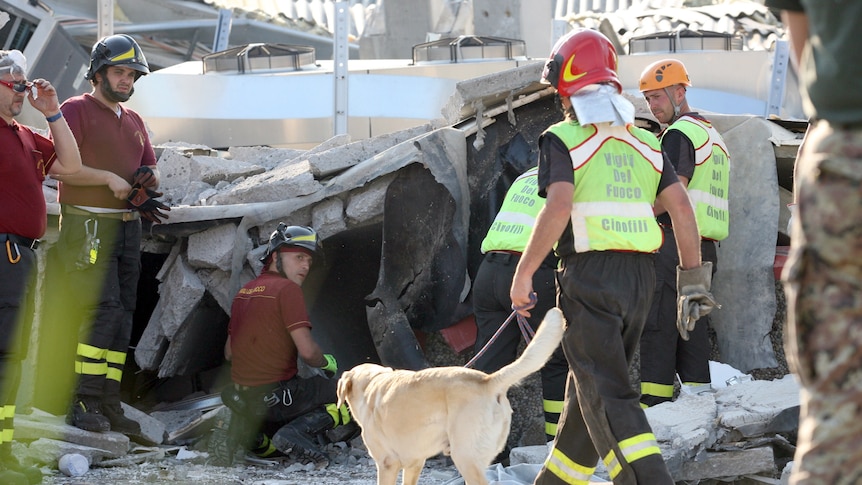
(752, 21)
(317, 12)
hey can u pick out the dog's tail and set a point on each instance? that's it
(540, 349)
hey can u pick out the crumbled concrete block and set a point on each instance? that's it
(366, 204)
(47, 451)
(31, 428)
(728, 464)
(152, 429)
(283, 182)
(529, 454)
(339, 158)
(212, 248)
(266, 157)
(750, 407)
(181, 291)
(327, 217)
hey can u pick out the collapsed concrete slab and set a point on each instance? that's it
(45, 426)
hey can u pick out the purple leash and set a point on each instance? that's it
(526, 330)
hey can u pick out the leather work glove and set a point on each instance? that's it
(144, 177)
(694, 299)
(331, 366)
(144, 200)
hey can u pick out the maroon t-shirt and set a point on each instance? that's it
(25, 159)
(107, 142)
(263, 314)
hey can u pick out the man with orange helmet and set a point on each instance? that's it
(701, 161)
(601, 175)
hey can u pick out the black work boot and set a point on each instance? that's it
(263, 447)
(345, 432)
(222, 446)
(119, 422)
(86, 414)
(298, 438)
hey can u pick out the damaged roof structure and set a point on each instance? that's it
(402, 207)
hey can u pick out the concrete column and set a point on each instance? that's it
(529, 21)
(407, 23)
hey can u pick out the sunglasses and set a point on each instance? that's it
(17, 86)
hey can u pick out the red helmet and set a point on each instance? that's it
(580, 58)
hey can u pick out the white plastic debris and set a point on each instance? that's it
(73, 465)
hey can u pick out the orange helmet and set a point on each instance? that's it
(580, 58)
(664, 73)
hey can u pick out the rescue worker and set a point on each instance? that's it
(99, 249)
(823, 275)
(27, 157)
(600, 175)
(269, 329)
(702, 164)
(502, 247)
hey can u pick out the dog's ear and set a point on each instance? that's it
(343, 389)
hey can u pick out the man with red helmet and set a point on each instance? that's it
(701, 161)
(601, 175)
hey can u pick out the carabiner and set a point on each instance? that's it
(9, 245)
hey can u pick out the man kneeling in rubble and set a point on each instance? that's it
(269, 328)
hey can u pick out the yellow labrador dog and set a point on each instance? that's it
(409, 416)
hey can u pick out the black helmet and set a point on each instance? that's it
(117, 50)
(291, 236)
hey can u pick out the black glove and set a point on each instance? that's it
(144, 177)
(694, 297)
(144, 200)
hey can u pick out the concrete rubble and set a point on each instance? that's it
(729, 435)
(401, 216)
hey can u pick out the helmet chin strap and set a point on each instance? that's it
(278, 266)
(676, 107)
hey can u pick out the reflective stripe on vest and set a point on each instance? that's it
(514, 223)
(616, 174)
(708, 187)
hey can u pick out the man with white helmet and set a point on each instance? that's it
(26, 158)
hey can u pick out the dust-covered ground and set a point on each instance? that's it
(350, 465)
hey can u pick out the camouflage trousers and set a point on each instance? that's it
(823, 280)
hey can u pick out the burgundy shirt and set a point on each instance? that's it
(263, 314)
(25, 159)
(107, 142)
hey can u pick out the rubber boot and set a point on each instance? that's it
(86, 414)
(298, 438)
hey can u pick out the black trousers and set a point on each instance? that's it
(605, 297)
(99, 298)
(271, 406)
(17, 281)
(663, 353)
(491, 306)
